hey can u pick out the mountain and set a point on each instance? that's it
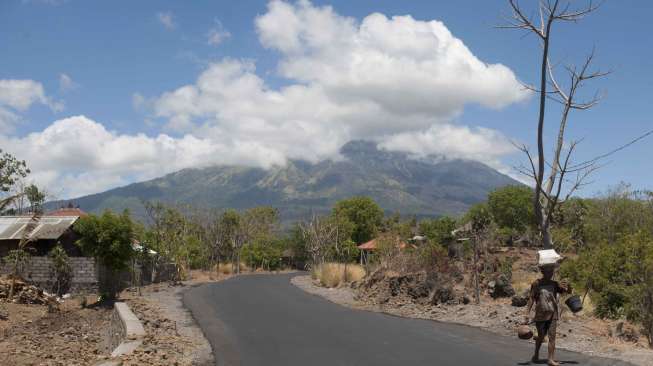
(396, 181)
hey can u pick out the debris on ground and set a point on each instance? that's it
(72, 336)
(24, 293)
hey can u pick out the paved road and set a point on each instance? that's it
(265, 320)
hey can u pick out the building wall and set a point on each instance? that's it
(39, 271)
(87, 274)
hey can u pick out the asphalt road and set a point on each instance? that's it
(265, 320)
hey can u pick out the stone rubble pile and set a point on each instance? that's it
(23, 293)
(433, 288)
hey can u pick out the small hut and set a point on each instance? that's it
(367, 249)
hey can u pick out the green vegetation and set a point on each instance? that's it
(511, 208)
(359, 215)
(108, 238)
(438, 231)
(61, 270)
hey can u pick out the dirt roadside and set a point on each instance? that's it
(76, 335)
(70, 336)
(575, 334)
(173, 337)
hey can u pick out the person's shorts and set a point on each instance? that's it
(547, 327)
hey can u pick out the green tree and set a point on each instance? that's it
(12, 171)
(363, 213)
(35, 197)
(438, 231)
(480, 217)
(108, 238)
(511, 207)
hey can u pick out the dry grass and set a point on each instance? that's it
(333, 274)
(522, 281)
(588, 305)
(228, 268)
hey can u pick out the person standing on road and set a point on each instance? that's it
(545, 295)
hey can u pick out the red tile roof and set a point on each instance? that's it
(371, 245)
(67, 211)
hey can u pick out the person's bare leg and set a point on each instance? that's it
(538, 344)
(552, 351)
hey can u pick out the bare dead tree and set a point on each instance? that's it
(564, 177)
(20, 255)
(318, 233)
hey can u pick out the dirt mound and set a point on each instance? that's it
(420, 287)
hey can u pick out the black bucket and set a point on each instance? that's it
(574, 303)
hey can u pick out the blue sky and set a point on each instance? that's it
(119, 63)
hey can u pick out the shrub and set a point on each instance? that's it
(335, 274)
(228, 268)
(62, 272)
(619, 276)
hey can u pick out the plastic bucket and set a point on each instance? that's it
(574, 303)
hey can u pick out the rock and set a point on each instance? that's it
(617, 330)
(623, 331)
(519, 301)
(465, 300)
(420, 290)
(443, 295)
(500, 287)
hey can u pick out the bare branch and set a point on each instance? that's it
(574, 16)
(603, 156)
(521, 21)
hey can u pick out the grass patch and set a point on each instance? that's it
(335, 274)
(522, 281)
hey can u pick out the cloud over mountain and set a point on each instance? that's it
(395, 80)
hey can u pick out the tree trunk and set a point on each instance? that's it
(477, 287)
(547, 240)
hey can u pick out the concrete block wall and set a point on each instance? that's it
(38, 270)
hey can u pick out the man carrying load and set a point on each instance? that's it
(545, 295)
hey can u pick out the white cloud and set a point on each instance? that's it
(452, 141)
(380, 78)
(82, 156)
(217, 35)
(21, 94)
(66, 83)
(18, 96)
(167, 20)
(398, 81)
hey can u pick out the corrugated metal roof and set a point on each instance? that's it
(48, 227)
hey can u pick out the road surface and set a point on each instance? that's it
(258, 320)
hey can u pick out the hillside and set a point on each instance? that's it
(397, 182)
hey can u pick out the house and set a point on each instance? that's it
(49, 231)
(367, 249)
